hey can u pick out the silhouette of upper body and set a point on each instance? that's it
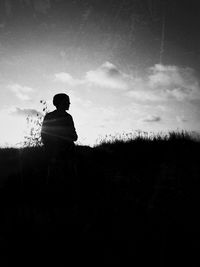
(58, 132)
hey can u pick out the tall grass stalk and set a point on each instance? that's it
(33, 136)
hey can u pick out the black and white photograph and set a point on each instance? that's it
(99, 132)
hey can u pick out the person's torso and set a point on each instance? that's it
(58, 125)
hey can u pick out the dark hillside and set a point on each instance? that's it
(119, 202)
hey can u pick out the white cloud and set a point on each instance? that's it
(107, 75)
(144, 95)
(181, 119)
(164, 83)
(179, 94)
(21, 91)
(178, 83)
(25, 112)
(139, 90)
(65, 77)
(160, 83)
(152, 118)
(164, 75)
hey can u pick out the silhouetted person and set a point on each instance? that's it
(58, 131)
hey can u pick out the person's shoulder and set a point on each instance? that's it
(50, 114)
(67, 115)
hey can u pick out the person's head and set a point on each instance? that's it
(61, 101)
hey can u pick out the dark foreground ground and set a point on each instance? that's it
(124, 203)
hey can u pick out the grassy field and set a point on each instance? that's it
(132, 201)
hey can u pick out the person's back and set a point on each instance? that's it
(58, 131)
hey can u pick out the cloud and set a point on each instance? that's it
(108, 75)
(180, 94)
(25, 112)
(163, 83)
(181, 119)
(161, 75)
(175, 82)
(65, 77)
(152, 118)
(144, 95)
(160, 83)
(139, 90)
(21, 91)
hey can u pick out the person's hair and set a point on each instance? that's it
(58, 98)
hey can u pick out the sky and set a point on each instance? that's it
(127, 65)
